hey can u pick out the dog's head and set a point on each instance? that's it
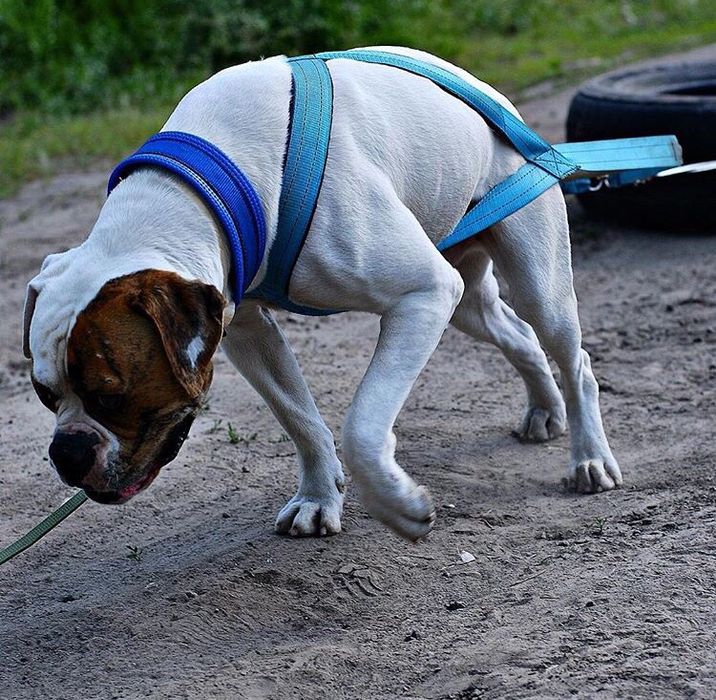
(125, 374)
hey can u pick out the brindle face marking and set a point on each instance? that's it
(139, 358)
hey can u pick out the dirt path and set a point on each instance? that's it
(610, 595)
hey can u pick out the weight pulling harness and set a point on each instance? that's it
(227, 192)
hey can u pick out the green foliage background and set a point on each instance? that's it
(89, 78)
(78, 55)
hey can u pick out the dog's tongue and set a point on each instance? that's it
(132, 490)
(139, 485)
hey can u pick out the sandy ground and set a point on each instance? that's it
(186, 592)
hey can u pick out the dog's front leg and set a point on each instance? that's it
(409, 332)
(259, 350)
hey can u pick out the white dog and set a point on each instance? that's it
(122, 329)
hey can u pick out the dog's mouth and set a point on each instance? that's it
(167, 453)
(124, 494)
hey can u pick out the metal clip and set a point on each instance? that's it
(598, 182)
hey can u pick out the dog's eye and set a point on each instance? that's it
(48, 397)
(109, 402)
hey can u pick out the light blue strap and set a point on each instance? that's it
(531, 145)
(545, 165)
(614, 155)
(629, 159)
(505, 198)
(306, 155)
(623, 159)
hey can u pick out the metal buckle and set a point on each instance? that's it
(596, 183)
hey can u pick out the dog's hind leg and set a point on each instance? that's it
(258, 349)
(483, 315)
(532, 252)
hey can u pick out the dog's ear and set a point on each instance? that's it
(30, 300)
(33, 289)
(188, 317)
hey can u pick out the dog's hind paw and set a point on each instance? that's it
(312, 516)
(542, 424)
(594, 476)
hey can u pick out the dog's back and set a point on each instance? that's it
(391, 129)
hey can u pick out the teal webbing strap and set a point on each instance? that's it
(306, 155)
(545, 165)
(597, 157)
(530, 145)
(619, 162)
(624, 159)
(503, 199)
(43, 527)
(629, 159)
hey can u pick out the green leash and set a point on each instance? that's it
(43, 527)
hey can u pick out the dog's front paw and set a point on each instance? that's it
(542, 424)
(407, 511)
(594, 475)
(313, 512)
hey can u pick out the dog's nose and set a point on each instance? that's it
(73, 455)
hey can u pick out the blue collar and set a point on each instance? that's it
(224, 189)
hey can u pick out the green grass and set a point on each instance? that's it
(570, 54)
(33, 146)
(512, 44)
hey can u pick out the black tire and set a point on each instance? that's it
(676, 98)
